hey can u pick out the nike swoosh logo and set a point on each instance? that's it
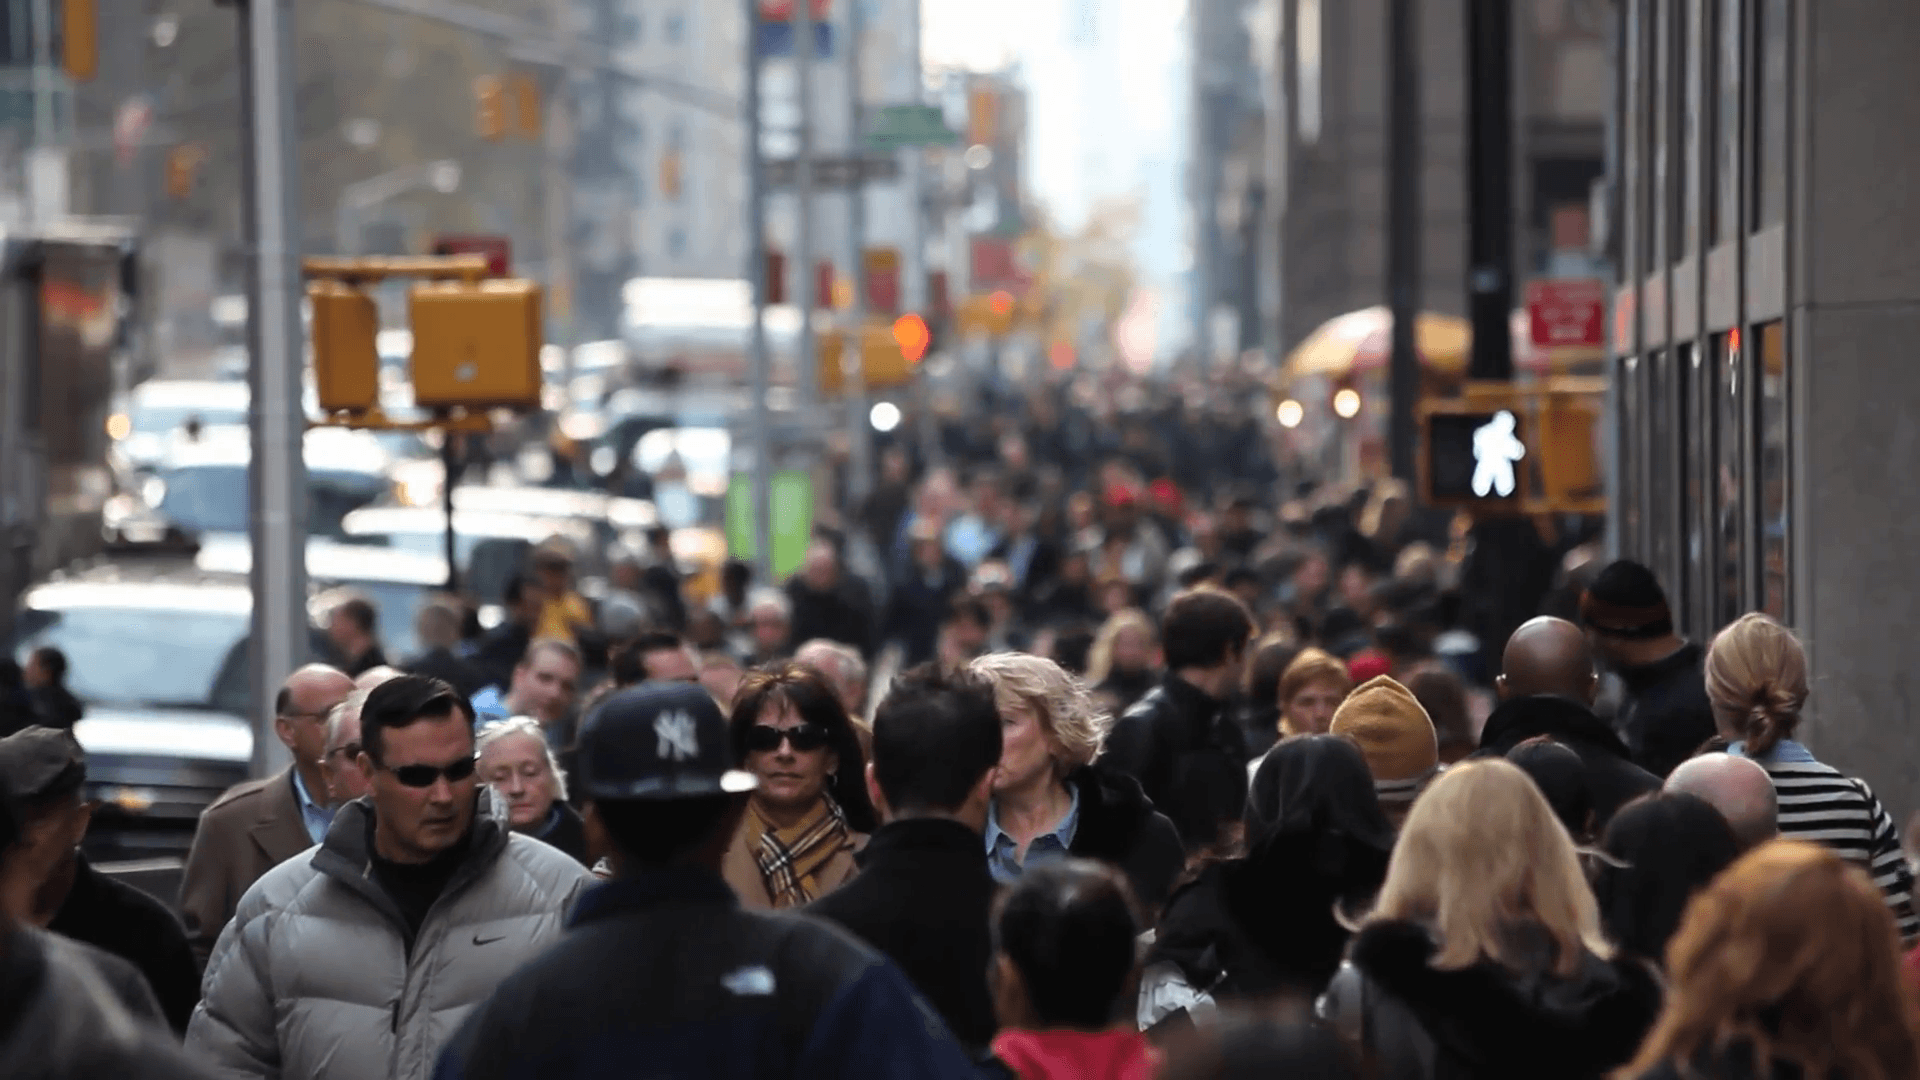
(478, 940)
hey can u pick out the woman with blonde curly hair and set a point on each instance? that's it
(1785, 967)
(1484, 955)
(1756, 673)
(1121, 664)
(1048, 799)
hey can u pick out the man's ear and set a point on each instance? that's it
(1500, 686)
(878, 797)
(1593, 687)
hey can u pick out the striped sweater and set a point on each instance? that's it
(1818, 803)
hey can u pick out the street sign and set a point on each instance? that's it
(833, 172)
(909, 125)
(881, 269)
(790, 515)
(1567, 312)
(497, 250)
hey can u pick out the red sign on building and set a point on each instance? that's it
(881, 269)
(1567, 311)
(497, 250)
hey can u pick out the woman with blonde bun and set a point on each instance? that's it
(1756, 673)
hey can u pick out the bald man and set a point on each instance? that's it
(1737, 787)
(260, 824)
(1547, 683)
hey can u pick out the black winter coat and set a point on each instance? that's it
(568, 833)
(1243, 929)
(463, 675)
(1119, 825)
(62, 1020)
(924, 897)
(1665, 716)
(1613, 780)
(1487, 1022)
(843, 613)
(919, 605)
(1188, 754)
(119, 919)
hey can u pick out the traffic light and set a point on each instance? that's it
(1505, 449)
(476, 345)
(490, 102)
(526, 106)
(183, 168)
(882, 358)
(346, 366)
(910, 333)
(80, 39)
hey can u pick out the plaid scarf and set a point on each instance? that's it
(789, 859)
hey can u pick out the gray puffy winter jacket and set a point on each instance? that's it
(314, 978)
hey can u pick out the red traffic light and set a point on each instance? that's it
(910, 333)
(1000, 302)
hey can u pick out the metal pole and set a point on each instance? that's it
(452, 476)
(276, 480)
(1403, 228)
(859, 430)
(808, 377)
(757, 275)
(557, 179)
(1490, 187)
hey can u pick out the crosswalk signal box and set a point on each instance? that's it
(476, 345)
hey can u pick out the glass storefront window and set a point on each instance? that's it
(1631, 489)
(1726, 132)
(1776, 494)
(1770, 128)
(1695, 382)
(1687, 47)
(1729, 499)
(1663, 447)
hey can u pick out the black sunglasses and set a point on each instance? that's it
(765, 738)
(423, 776)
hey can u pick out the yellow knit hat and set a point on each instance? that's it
(1394, 733)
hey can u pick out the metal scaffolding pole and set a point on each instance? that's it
(807, 379)
(853, 365)
(276, 480)
(757, 274)
(1403, 228)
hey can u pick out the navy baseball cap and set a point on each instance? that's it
(657, 740)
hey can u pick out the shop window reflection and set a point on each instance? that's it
(1776, 501)
(1729, 467)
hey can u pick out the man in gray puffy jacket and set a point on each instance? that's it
(358, 960)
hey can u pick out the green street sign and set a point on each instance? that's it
(909, 125)
(791, 496)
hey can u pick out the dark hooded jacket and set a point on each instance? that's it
(1118, 825)
(1613, 780)
(1665, 716)
(62, 1019)
(1487, 1021)
(1265, 924)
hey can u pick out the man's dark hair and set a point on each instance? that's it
(1558, 772)
(1069, 929)
(736, 574)
(660, 832)
(1198, 574)
(360, 612)
(53, 662)
(517, 586)
(968, 609)
(401, 701)
(1270, 659)
(934, 736)
(1204, 627)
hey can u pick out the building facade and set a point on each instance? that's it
(1769, 243)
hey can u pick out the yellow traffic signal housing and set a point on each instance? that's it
(987, 315)
(1571, 477)
(490, 104)
(477, 345)
(346, 366)
(526, 106)
(1506, 448)
(80, 39)
(884, 364)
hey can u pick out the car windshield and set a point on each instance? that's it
(146, 656)
(213, 498)
(161, 419)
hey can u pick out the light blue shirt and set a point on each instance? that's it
(1047, 847)
(1784, 751)
(489, 706)
(315, 817)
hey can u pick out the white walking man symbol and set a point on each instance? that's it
(1495, 451)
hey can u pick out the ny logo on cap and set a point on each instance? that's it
(678, 738)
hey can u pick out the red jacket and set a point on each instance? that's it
(1076, 1055)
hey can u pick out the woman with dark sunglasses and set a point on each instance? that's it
(810, 813)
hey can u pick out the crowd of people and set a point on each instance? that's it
(1110, 771)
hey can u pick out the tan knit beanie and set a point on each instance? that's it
(1393, 731)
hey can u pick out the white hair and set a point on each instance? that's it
(337, 717)
(528, 726)
(771, 598)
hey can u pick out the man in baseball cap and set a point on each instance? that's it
(661, 965)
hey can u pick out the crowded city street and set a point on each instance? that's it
(991, 539)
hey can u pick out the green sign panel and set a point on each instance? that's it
(909, 125)
(792, 499)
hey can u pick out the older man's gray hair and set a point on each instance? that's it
(1737, 787)
(843, 667)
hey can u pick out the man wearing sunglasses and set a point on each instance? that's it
(359, 961)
